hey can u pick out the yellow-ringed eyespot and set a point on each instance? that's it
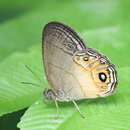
(102, 76)
(85, 58)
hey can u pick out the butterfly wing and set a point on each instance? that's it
(59, 43)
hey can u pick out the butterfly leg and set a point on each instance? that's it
(49, 95)
(82, 115)
(57, 108)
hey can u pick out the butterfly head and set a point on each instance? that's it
(102, 72)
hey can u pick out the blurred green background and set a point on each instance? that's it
(104, 25)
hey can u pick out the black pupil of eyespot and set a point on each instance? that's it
(85, 58)
(102, 77)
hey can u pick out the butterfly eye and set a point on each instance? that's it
(102, 77)
(85, 58)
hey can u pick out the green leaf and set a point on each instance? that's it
(103, 113)
(13, 94)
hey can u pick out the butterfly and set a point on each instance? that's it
(73, 70)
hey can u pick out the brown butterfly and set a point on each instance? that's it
(74, 71)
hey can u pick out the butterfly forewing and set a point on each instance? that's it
(60, 43)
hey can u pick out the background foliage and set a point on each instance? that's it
(104, 25)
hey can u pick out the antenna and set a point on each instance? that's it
(35, 75)
(31, 84)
